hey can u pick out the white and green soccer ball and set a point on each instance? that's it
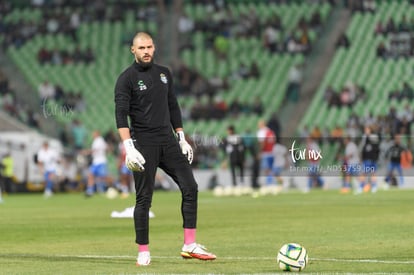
(292, 257)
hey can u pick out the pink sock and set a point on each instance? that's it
(189, 235)
(143, 248)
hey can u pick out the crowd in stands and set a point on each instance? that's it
(407, 92)
(273, 35)
(398, 36)
(347, 96)
(64, 17)
(361, 5)
(63, 57)
(395, 121)
(217, 108)
(392, 27)
(343, 41)
(14, 107)
(192, 83)
(69, 100)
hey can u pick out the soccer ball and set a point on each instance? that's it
(111, 193)
(292, 257)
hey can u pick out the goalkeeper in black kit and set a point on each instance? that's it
(153, 138)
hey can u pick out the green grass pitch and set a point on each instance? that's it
(69, 234)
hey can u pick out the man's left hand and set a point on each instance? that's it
(185, 147)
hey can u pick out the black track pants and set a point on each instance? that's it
(170, 159)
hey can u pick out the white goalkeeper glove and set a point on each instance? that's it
(185, 147)
(134, 161)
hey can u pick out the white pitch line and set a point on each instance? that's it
(362, 261)
(242, 259)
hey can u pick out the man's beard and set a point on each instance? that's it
(145, 64)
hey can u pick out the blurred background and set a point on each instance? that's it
(323, 69)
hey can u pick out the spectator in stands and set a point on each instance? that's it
(316, 134)
(88, 55)
(304, 41)
(295, 77)
(59, 93)
(43, 56)
(353, 130)
(254, 70)
(257, 106)
(379, 28)
(9, 103)
(331, 97)
(406, 112)
(392, 120)
(292, 45)
(407, 91)
(80, 103)
(343, 41)
(219, 107)
(315, 22)
(235, 108)
(404, 127)
(4, 83)
(221, 46)
(304, 132)
(337, 133)
(218, 83)
(394, 95)
(370, 120)
(200, 87)
(390, 26)
(271, 38)
(242, 72)
(198, 111)
(185, 28)
(33, 119)
(185, 77)
(404, 25)
(46, 91)
(369, 5)
(346, 97)
(185, 111)
(74, 23)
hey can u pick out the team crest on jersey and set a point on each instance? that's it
(141, 85)
(163, 78)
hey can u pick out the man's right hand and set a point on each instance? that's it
(134, 160)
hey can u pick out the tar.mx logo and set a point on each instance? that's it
(312, 153)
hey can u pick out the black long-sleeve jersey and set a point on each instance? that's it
(370, 148)
(395, 152)
(145, 95)
(233, 145)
